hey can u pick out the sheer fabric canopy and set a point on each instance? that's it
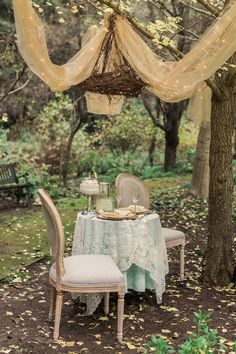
(170, 81)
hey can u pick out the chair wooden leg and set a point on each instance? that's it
(120, 315)
(106, 303)
(59, 298)
(182, 262)
(52, 303)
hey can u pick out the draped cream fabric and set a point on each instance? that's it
(171, 81)
(32, 44)
(102, 104)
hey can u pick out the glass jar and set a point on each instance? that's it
(104, 190)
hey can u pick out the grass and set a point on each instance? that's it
(24, 238)
(157, 184)
(23, 234)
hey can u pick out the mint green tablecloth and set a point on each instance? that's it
(136, 246)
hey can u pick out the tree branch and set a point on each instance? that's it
(138, 26)
(209, 7)
(215, 90)
(146, 33)
(161, 7)
(197, 9)
(232, 79)
(14, 83)
(152, 116)
(21, 87)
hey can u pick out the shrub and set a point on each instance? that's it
(127, 131)
(53, 129)
(24, 153)
(109, 165)
(203, 341)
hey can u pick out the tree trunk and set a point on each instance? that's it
(218, 259)
(151, 149)
(171, 143)
(64, 170)
(200, 177)
(234, 156)
(173, 116)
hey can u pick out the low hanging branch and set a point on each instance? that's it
(174, 51)
(209, 7)
(155, 120)
(11, 88)
(198, 9)
(21, 87)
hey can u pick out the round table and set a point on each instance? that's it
(136, 246)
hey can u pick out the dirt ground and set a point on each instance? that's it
(24, 305)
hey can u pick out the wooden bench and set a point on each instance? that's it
(10, 181)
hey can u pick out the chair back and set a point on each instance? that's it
(55, 232)
(125, 184)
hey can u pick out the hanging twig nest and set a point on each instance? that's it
(112, 74)
(119, 82)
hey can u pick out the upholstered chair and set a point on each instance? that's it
(78, 274)
(124, 184)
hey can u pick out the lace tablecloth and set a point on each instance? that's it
(136, 246)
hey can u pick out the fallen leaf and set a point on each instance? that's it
(130, 346)
(103, 318)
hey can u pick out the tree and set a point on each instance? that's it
(53, 125)
(167, 116)
(200, 176)
(56, 127)
(79, 112)
(218, 260)
(171, 114)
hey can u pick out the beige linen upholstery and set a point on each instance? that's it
(89, 270)
(173, 238)
(172, 235)
(79, 274)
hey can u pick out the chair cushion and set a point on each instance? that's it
(89, 270)
(173, 235)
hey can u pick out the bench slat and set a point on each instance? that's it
(7, 174)
(13, 186)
